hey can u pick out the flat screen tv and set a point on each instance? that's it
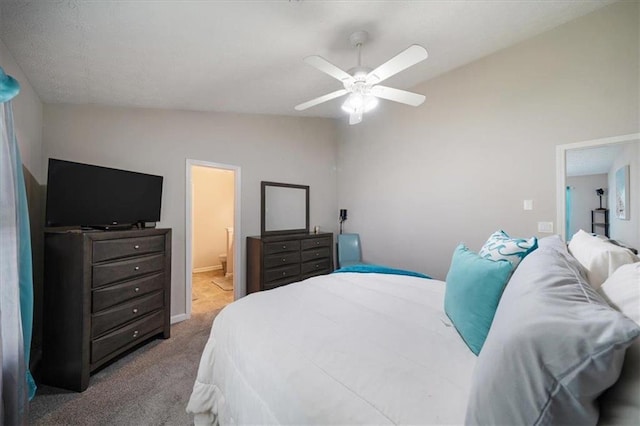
(94, 196)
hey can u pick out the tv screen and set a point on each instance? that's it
(87, 195)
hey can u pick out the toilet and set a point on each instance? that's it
(223, 261)
(226, 259)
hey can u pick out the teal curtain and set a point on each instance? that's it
(567, 214)
(16, 273)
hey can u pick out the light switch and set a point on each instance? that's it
(528, 204)
(545, 227)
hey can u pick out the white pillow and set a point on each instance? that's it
(621, 403)
(598, 257)
(622, 290)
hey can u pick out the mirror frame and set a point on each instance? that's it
(263, 187)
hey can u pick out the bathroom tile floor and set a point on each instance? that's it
(205, 295)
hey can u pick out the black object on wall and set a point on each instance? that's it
(343, 217)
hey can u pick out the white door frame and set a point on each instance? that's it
(237, 245)
(561, 179)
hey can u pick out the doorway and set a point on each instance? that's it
(212, 229)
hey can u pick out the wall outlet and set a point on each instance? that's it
(528, 205)
(546, 227)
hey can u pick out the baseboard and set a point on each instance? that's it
(179, 318)
(206, 269)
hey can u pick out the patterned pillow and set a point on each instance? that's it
(501, 246)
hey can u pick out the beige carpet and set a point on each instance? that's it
(150, 386)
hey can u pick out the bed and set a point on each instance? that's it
(340, 348)
(372, 348)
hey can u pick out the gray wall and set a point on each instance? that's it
(626, 231)
(274, 148)
(417, 181)
(27, 110)
(584, 199)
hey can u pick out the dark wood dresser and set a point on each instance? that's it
(278, 260)
(104, 293)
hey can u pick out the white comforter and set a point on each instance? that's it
(344, 348)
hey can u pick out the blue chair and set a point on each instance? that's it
(349, 250)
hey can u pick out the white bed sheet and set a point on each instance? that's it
(344, 348)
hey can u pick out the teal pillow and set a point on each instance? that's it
(502, 246)
(474, 287)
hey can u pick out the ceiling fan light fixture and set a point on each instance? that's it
(357, 102)
(361, 83)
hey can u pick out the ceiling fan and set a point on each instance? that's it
(362, 83)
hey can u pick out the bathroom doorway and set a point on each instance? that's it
(212, 212)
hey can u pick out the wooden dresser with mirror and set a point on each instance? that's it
(286, 252)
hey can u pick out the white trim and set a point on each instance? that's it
(237, 244)
(561, 180)
(206, 269)
(179, 318)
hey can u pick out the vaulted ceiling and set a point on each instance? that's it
(246, 56)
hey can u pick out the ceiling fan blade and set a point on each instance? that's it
(321, 99)
(397, 95)
(355, 117)
(403, 60)
(327, 67)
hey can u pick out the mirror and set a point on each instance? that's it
(285, 208)
(586, 167)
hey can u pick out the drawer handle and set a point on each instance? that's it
(137, 268)
(135, 310)
(137, 289)
(284, 273)
(317, 266)
(136, 247)
(135, 333)
(317, 243)
(284, 246)
(317, 254)
(284, 259)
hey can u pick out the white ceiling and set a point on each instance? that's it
(591, 161)
(246, 56)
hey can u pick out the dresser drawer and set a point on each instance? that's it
(281, 247)
(134, 332)
(113, 317)
(316, 254)
(316, 242)
(282, 259)
(125, 247)
(112, 295)
(281, 273)
(320, 265)
(116, 271)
